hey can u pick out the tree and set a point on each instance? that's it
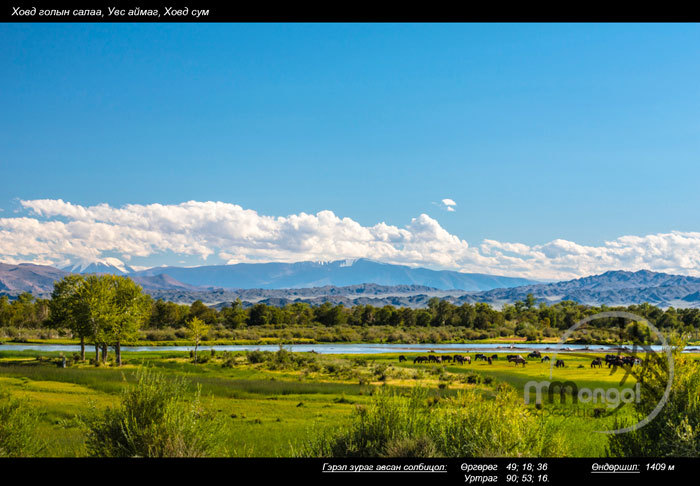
(258, 315)
(197, 330)
(234, 316)
(130, 307)
(94, 307)
(106, 309)
(530, 301)
(164, 314)
(200, 310)
(63, 309)
(5, 311)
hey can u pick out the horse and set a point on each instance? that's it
(546, 358)
(534, 354)
(597, 363)
(490, 362)
(495, 356)
(402, 358)
(420, 359)
(447, 358)
(613, 360)
(480, 356)
(517, 359)
(559, 363)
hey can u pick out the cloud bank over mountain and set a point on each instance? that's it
(56, 232)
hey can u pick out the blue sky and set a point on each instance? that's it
(584, 133)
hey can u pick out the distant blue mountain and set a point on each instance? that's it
(338, 273)
(611, 288)
(379, 284)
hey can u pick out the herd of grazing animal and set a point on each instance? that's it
(611, 360)
(431, 358)
(457, 358)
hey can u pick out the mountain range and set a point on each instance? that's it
(610, 288)
(362, 281)
(337, 273)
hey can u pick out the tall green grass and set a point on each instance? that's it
(18, 422)
(158, 417)
(468, 425)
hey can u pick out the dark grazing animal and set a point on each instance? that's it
(613, 360)
(402, 358)
(420, 359)
(597, 363)
(517, 359)
(559, 363)
(546, 358)
(495, 356)
(534, 354)
(447, 358)
(480, 356)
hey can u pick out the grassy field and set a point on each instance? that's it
(271, 403)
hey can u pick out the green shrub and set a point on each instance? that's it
(157, 418)
(386, 420)
(469, 425)
(475, 426)
(472, 378)
(160, 335)
(17, 424)
(422, 446)
(229, 360)
(675, 431)
(256, 356)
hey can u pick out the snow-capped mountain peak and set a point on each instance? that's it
(104, 265)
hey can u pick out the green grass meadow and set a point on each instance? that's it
(269, 409)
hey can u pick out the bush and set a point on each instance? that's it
(156, 418)
(160, 335)
(675, 431)
(474, 426)
(472, 378)
(376, 430)
(256, 356)
(17, 424)
(468, 425)
(229, 360)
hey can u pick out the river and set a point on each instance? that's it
(329, 348)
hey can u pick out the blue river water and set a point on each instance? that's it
(360, 348)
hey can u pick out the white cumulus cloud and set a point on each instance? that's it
(449, 204)
(56, 232)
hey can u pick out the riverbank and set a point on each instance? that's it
(361, 348)
(274, 341)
